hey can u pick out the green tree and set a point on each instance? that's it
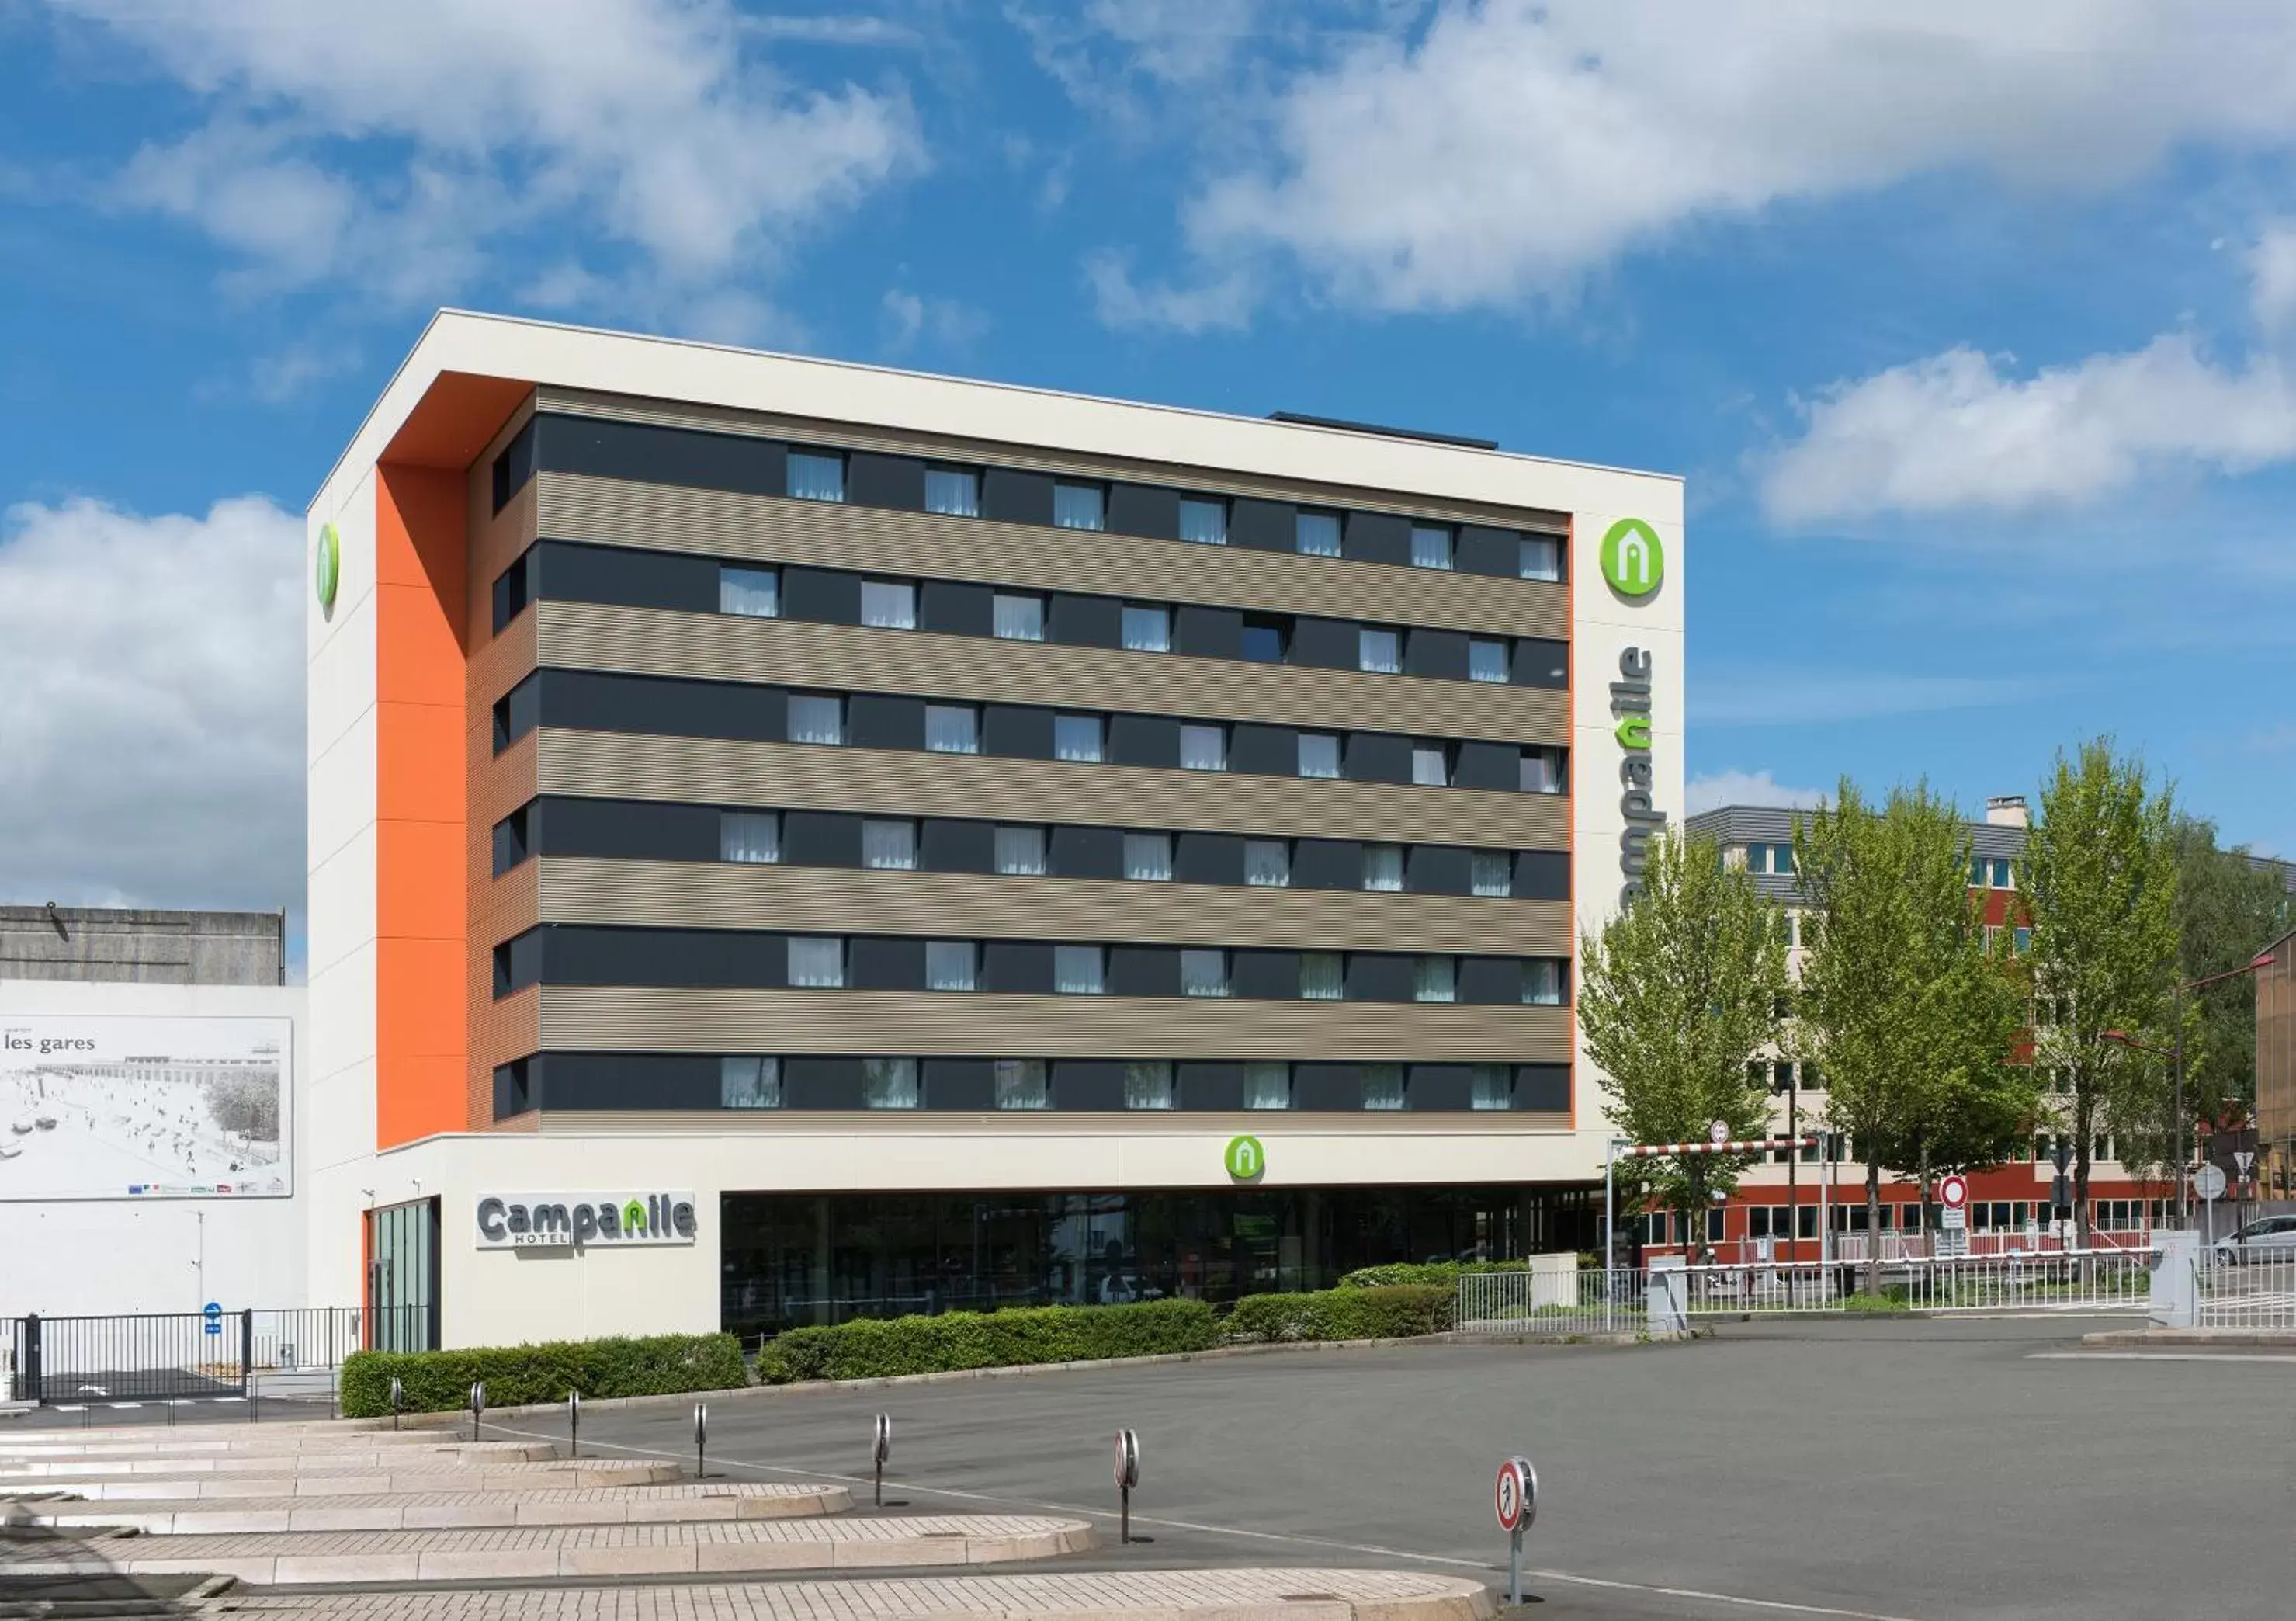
(1675, 994)
(2227, 909)
(1903, 1005)
(2099, 881)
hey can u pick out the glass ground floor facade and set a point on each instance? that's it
(789, 1258)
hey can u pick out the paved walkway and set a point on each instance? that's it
(688, 1500)
(152, 1442)
(1167, 1595)
(493, 1477)
(306, 1460)
(553, 1551)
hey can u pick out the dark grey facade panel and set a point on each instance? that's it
(1440, 655)
(589, 700)
(950, 846)
(1540, 663)
(955, 609)
(1264, 526)
(1376, 757)
(1496, 767)
(1011, 497)
(1378, 537)
(687, 458)
(877, 963)
(960, 1085)
(1267, 976)
(1439, 1088)
(828, 596)
(1017, 731)
(1542, 875)
(1088, 853)
(1326, 864)
(566, 570)
(1208, 858)
(625, 1081)
(514, 464)
(1264, 750)
(1144, 740)
(885, 720)
(876, 479)
(517, 711)
(1211, 1086)
(1381, 976)
(821, 838)
(1543, 1087)
(1480, 550)
(583, 954)
(1327, 1088)
(829, 1083)
(1326, 643)
(1088, 1085)
(1436, 870)
(1143, 510)
(1209, 633)
(1017, 968)
(1490, 982)
(514, 837)
(1144, 970)
(618, 830)
(1086, 622)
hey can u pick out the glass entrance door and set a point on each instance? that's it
(402, 1276)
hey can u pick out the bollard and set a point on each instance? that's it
(477, 1405)
(702, 1440)
(1127, 1475)
(881, 1447)
(397, 1402)
(573, 1424)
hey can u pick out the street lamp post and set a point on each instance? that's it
(2175, 1054)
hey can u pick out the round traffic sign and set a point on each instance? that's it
(1128, 1459)
(1953, 1191)
(881, 1446)
(1718, 1133)
(1515, 1495)
(2209, 1181)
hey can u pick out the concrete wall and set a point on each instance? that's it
(94, 1256)
(140, 947)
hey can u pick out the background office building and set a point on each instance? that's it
(843, 840)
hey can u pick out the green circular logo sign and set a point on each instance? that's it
(330, 567)
(1246, 1159)
(1633, 561)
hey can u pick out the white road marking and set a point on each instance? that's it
(1263, 1536)
(2157, 1356)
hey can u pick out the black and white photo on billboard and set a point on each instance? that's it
(99, 1106)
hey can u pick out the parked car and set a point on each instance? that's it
(2265, 1238)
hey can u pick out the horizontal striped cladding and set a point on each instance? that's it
(500, 664)
(982, 669)
(969, 906)
(892, 1022)
(501, 1031)
(721, 524)
(844, 1124)
(697, 770)
(995, 453)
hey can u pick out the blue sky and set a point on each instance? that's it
(1971, 333)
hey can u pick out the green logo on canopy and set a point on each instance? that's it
(1246, 1159)
(634, 1217)
(330, 567)
(1633, 561)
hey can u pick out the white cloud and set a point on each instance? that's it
(2272, 266)
(152, 697)
(944, 323)
(1714, 789)
(1808, 697)
(1952, 431)
(337, 130)
(1221, 304)
(1504, 150)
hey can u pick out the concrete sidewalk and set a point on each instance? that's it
(691, 1499)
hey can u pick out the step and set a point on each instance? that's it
(1283, 1594)
(549, 1552)
(326, 1460)
(494, 1477)
(688, 1500)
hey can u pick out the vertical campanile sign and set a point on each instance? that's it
(1634, 565)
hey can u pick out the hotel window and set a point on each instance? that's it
(1382, 867)
(1430, 547)
(815, 718)
(890, 1083)
(1491, 1086)
(1147, 629)
(953, 490)
(1148, 1084)
(1437, 980)
(749, 836)
(1542, 980)
(952, 729)
(816, 476)
(1383, 1086)
(1265, 639)
(1316, 534)
(1782, 859)
(1430, 765)
(1267, 863)
(1076, 737)
(2021, 941)
(1490, 872)
(754, 592)
(1023, 1083)
(889, 845)
(817, 961)
(1542, 772)
(1379, 652)
(1323, 976)
(1319, 754)
(1017, 617)
(1020, 850)
(952, 965)
(1988, 874)
(1539, 557)
(1203, 748)
(1148, 857)
(1079, 506)
(1204, 521)
(1267, 1086)
(1486, 661)
(1203, 973)
(889, 605)
(1079, 970)
(749, 1083)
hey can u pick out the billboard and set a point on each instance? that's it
(104, 1107)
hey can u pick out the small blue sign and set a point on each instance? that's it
(214, 1315)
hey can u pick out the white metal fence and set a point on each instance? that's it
(1590, 1301)
(2239, 1290)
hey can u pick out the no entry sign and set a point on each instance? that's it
(1953, 1192)
(1515, 1495)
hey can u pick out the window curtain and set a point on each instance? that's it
(1079, 507)
(1018, 619)
(815, 719)
(1020, 849)
(1490, 872)
(1437, 980)
(1379, 652)
(1203, 748)
(890, 1083)
(1021, 1083)
(1147, 629)
(755, 592)
(1429, 768)
(749, 1083)
(1077, 970)
(1076, 737)
(953, 490)
(816, 477)
(1542, 980)
(1267, 863)
(1148, 1085)
(1383, 1086)
(817, 961)
(1486, 661)
(950, 965)
(1203, 973)
(1319, 754)
(1266, 1086)
(749, 836)
(1204, 522)
(1323, 976)
(952, 729)
(1148, 856)
(1382, 867)
(1316, 534)
(1431, 547)
(1492, 1087)
(1541, 557)
(889, 845)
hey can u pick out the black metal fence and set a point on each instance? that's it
(172, 1356)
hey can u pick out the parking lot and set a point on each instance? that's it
(1932, 1470)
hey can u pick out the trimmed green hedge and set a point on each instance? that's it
(439, 1381)
(1363, 1312)
(869, 1348)
(1430, 1274)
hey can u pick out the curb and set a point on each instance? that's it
(2280, 1338)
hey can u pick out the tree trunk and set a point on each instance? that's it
(1873, 1223)
(2084, 1124)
